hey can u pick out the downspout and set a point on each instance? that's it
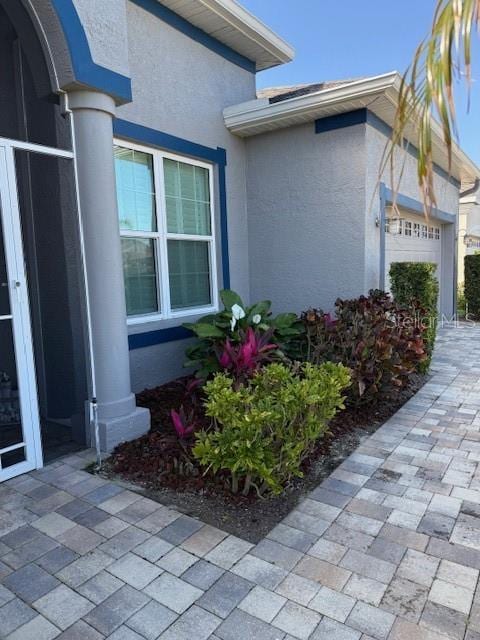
(92, 402)
(471, 190)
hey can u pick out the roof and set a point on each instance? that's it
(282, 107)
(230, 23)
(279, 94)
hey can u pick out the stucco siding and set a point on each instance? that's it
(306, 195)
(105, 25)
(405, 165)
(181, 88)
(405, 182)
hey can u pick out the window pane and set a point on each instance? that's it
(189, 272)
(135, 190)
(140, 275)
(187, 195)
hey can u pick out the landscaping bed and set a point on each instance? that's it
(151, 463)
(277, 402)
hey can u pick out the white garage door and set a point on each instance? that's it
(412, 238)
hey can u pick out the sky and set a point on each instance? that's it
(336, 39)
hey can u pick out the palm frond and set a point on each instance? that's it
(427, 89)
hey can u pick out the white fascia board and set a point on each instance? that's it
(239, 118)
(247, 118)
(253, 29)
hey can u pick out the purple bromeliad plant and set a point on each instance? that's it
(252, 352)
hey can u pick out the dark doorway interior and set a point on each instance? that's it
(29, 111)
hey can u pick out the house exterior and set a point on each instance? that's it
(468, 226)
(140, 174)
(314, 155)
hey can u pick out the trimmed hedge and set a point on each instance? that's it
(414, 284)
(472, 283)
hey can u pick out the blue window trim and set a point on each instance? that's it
(139, 133)
(160, 336)
(387, 197)
(85, 69)
(177, 22)
(152, 137)
(364, 116)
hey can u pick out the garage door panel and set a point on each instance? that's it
(406, 248)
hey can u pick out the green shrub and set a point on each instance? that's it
(472, 284)
(461, 301)
(374, 337)
(414, 285)
(220, 332)
(265, 428)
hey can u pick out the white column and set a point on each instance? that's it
(120, 419)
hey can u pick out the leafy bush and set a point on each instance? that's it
(414, 285)
(238, 332)
(472, 283)
(461, 301)
(373, 336)
(265, 428)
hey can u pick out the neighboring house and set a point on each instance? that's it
(468, 226)
(139, 175)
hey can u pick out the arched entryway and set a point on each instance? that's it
(43, 382)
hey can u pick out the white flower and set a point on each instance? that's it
(233, 322)
(257, 318)
(237, 312)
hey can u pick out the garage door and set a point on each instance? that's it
(411, 238)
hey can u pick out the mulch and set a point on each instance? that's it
(162, 468)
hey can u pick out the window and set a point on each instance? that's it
(437, 233)
(167, 233)
(424, 231)
(430, 233)
(416, 230)
(408, 228)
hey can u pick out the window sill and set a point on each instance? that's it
(190, 315)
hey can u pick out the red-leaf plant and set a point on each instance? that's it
(186, 424)
(242, 360)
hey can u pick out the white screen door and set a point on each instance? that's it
(20, 446)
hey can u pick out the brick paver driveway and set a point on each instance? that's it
(387, 547)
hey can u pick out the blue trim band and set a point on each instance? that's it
(341, 120)
(86, 70)
(139, 133)
(177, 22)
(150, 338)
(417, 207)
(364, 116)
(224, 226)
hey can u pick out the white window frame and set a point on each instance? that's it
(416, 230)
(161, 237)
(408, 226)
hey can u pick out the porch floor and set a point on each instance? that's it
(388, 547)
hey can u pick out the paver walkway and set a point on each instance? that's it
(387, 547)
